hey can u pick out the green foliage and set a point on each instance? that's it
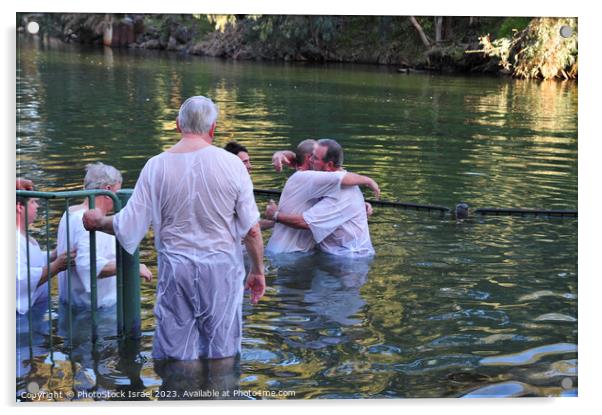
(202, 26)
(295, 35)
(166, 25)
(509, 25)
(539, 51)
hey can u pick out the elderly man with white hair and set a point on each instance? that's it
(199, 200)
(98, 176)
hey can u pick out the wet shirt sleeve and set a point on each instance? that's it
(246, 213)
(132, 222)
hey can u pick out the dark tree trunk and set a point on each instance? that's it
(438, 29)
(420, 31)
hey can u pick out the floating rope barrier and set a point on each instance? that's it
(461, 210)
(406, 205)
(526, 212)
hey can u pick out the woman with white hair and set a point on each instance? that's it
(98, 176)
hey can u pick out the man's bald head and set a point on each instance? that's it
(304, 151)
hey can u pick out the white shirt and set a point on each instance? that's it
(79, 238)
(339, 223)
(37, 261)
(200, 205)
(301, 191)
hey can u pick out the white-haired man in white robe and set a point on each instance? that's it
(199, 200)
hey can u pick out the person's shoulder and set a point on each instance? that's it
(220, 152)
(75, 218)
(77, 211)
(297, 177)
(156, 158)
(305, 174)
(228, 160)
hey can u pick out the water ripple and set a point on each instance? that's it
(529, 356)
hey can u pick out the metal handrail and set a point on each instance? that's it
(126, 325)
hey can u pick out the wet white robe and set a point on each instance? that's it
(79, 239)
(339, 223)
(37, 262)
(301, 191)
(200, 205)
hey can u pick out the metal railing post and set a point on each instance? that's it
(131, 286)
(93, 276)
(49, 303)
(131, 293)
(69, 304)
(29, 315)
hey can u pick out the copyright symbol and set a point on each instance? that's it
(69, 394)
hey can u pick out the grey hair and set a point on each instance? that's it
(197, 114)
(99, 175)
(304, 148)
(334, 152)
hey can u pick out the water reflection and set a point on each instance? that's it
(35, 346)
(198, 379)
(329, 286)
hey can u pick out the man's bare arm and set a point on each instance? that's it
(57, 265)
(95, 220)
(110, 270)
(353, 179)
(256, 279)
(266, 224)
(294, 221)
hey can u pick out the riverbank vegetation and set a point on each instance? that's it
(519, 46)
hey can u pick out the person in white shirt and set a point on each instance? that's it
(304, 189)
(98, 176)
(199, 200)
(338, 222)
(38, 270)
(243, 154)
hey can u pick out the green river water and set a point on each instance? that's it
(486, 307)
